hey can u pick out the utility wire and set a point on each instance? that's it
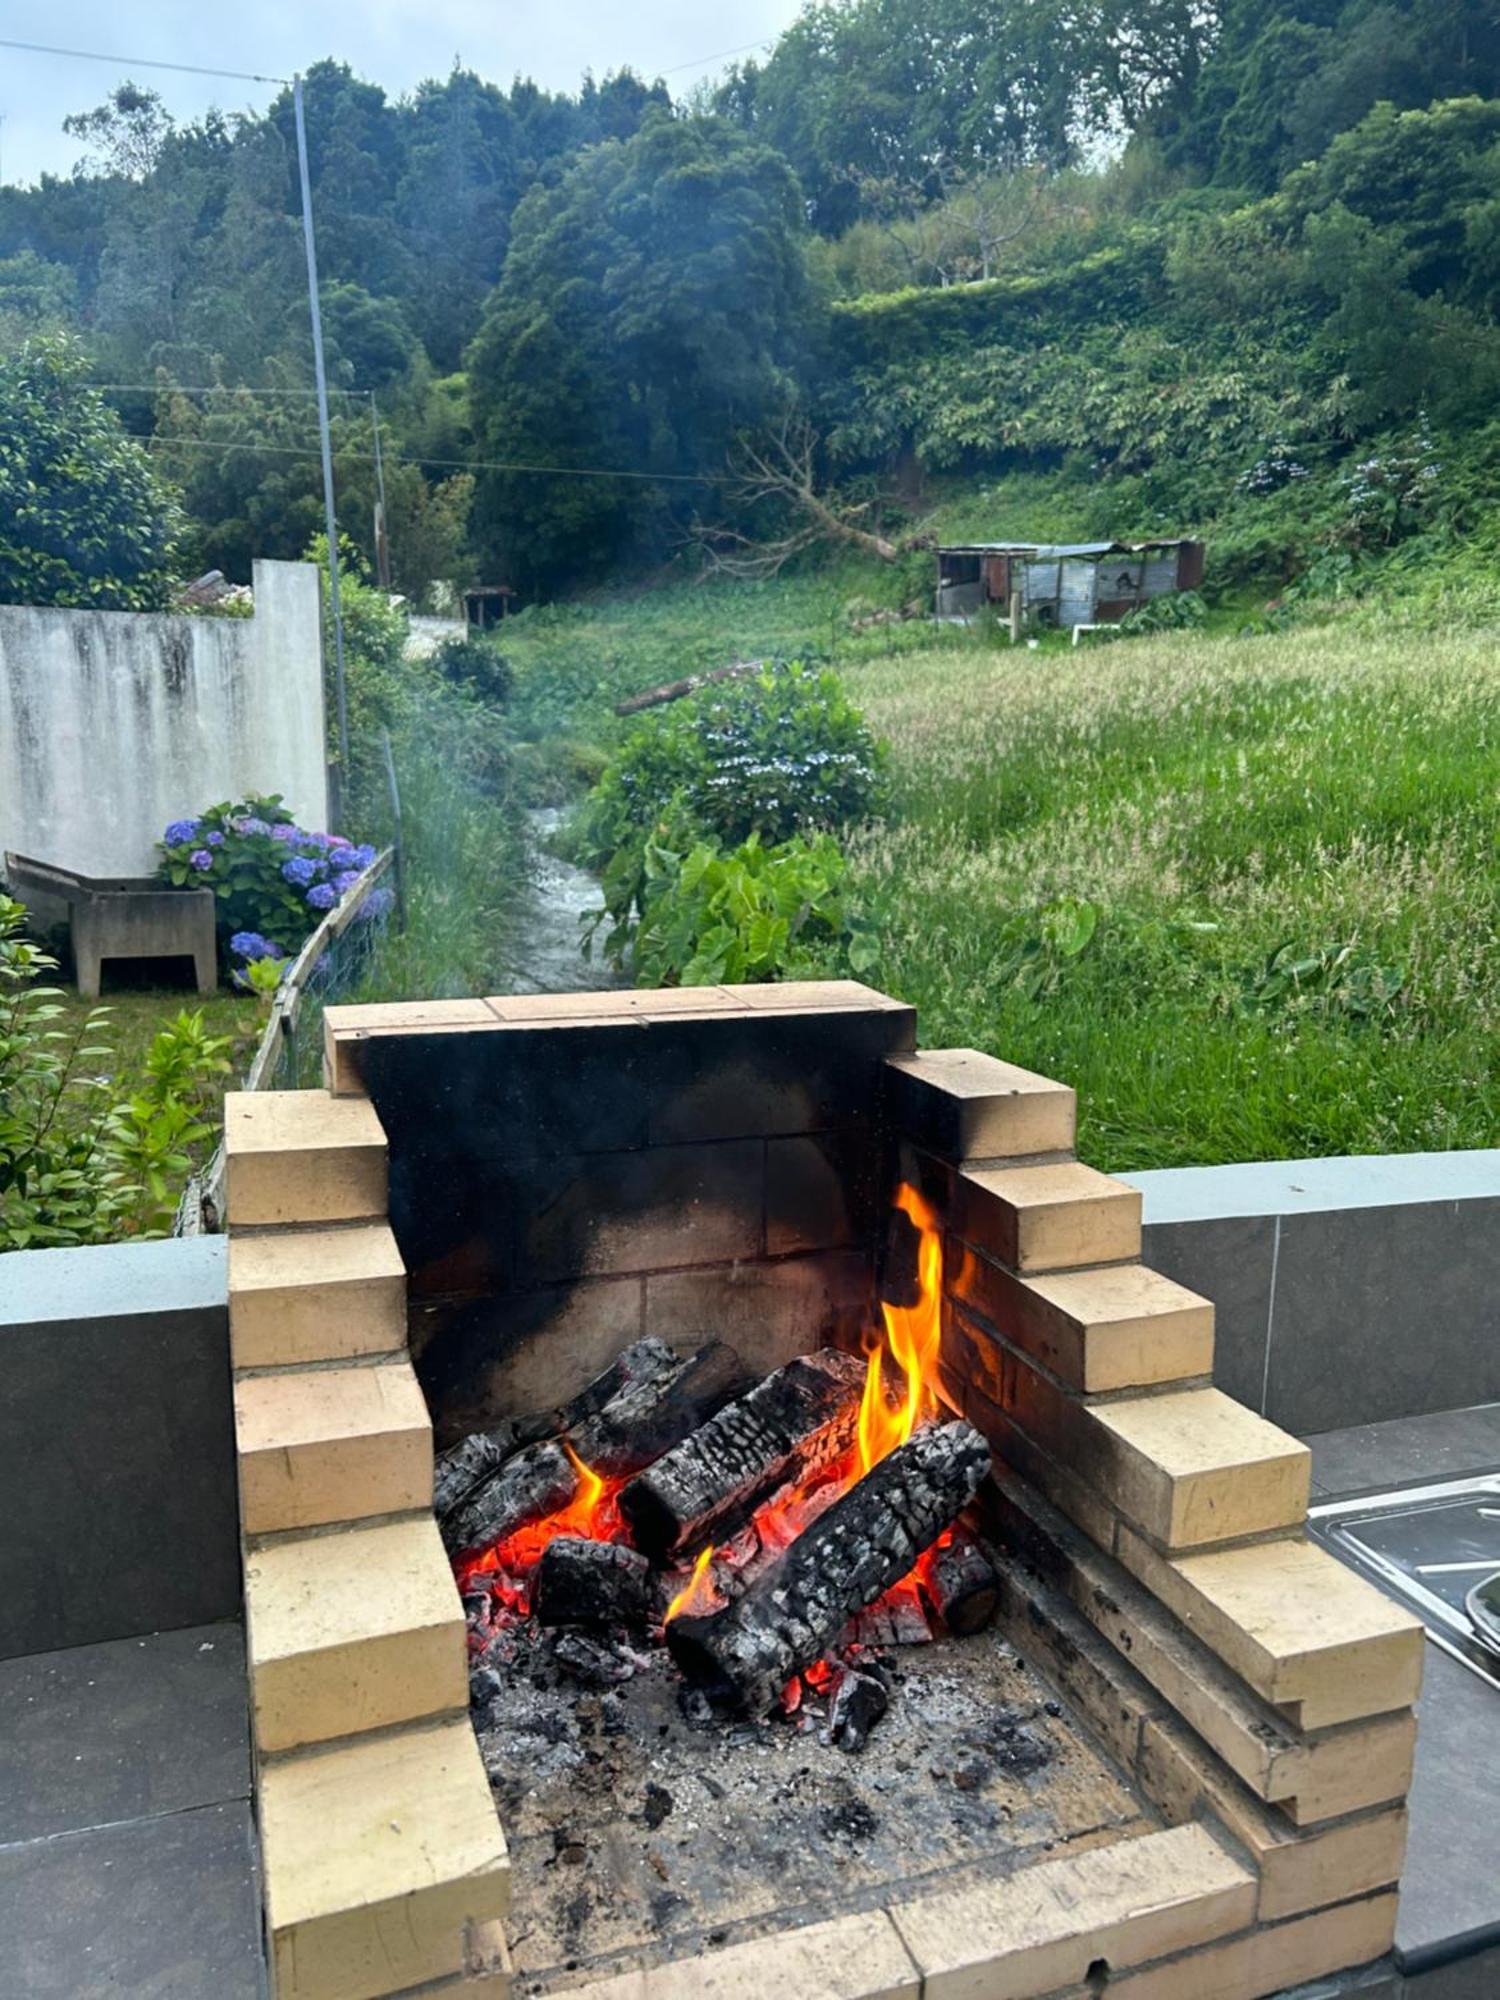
(723, 55)
(140, 62)
(449, 464)
(213, 389)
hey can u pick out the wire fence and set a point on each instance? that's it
(334, 962)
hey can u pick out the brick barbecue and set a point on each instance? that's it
(1175, 1767)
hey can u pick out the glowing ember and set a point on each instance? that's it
(591, 1515)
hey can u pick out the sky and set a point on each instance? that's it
(392, 42)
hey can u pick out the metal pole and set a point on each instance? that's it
(329, 516)
(382, 532)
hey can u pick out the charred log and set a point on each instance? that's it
(535, 1483)
(744, 1655)
(658, 1410)
(794, 1420)
(468, 1464)
(591, 1583)
(648, 1360)
(860, 1698)
(961, 1585)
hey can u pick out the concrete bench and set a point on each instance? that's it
(123, 918)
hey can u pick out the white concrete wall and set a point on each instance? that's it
(112, 723)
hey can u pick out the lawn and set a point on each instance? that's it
(134, 1015)
(1325, 793)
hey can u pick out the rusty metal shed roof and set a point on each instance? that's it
(1051, 551)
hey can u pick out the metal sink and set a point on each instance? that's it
(1429, 1547)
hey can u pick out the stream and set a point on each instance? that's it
(547, 958)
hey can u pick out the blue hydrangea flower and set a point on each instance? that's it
(181, 830)
(200, 858)
(214, 839)
(376, 904)
(322, 895)
(299, 869)
(361, 857)
(346, 881)
(284, 830)
(251, 945)
(250, 825)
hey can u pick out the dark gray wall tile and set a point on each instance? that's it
(1450, 1886)
(1406, 1450)
(1385, 1312)
(1229, 1260)
(116, 1475)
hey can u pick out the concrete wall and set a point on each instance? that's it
(112, 723)
(117, 1481)
(1348, 1291)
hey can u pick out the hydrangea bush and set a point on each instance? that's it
(273, 880)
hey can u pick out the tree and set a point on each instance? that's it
(125, 133)
(84, 519)
(652, 308)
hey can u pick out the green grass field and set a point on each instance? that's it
(1327, 792)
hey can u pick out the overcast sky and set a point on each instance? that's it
(393, 42)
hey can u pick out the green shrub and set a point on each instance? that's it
(774, 753)
(699, 915)
(273, 880)
(77, 1166)
(475, 665)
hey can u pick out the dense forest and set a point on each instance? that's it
(1195, 266)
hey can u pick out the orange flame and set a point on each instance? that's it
(590, 1514)
(913, 1336)
(698, 1595)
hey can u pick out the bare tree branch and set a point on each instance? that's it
(784, 469)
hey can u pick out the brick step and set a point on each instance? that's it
(965, 1106)
(1122, 1328)
(1047, 1218)
(302, 1156)
(385, 1868)
(322, 1445)
(352, 1631)
(299, 1295)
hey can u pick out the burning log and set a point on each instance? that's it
(658, 1410)
(794, 1420)
(744, 1655)
(591, 1583)
(961, 1585)
(468, 1464)
(535, 1483)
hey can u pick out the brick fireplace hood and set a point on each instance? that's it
(491, 1199)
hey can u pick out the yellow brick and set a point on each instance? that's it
(315, 1295)
(1049, 1217)
(858, 1957)
(1044, 1927)
(1122, 1328)
(351, 1631)
(1306, 1633)
(1268, 1961)
(321, 1445)
(302, 1156)
(1195, 1467)
(1299, 1870)
(1339, 1771)
(962, 1106)
(345, 1029)
(383, 1861)
(487, 1974)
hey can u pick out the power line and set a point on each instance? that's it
(723, 55)
(213, 389)
(450, 464)
(140, 62)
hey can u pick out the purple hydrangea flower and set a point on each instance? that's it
(377, 904)
(201, 859)
(345, 882)
(181, 830)
(322, 895)
(362, 856)
(215, 839)
(250, 825)
(338, 840)
(285, 831)
(299, 870)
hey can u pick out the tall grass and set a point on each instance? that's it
(1215, 800)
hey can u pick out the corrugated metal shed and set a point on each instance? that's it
(1064, 583)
